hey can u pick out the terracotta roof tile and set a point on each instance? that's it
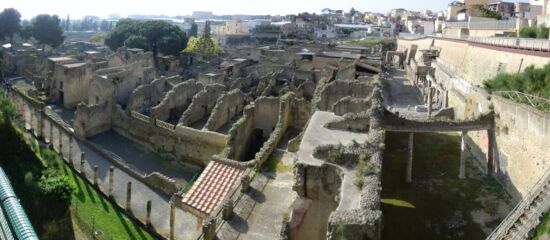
(212, 186)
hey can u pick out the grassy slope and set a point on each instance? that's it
(544, 228)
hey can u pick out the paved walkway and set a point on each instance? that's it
(402, 96)
(316, 134)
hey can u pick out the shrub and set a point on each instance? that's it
(56, 186)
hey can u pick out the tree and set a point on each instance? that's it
(47, 31)
(157, 36)
(137, 41)
(193, 32)
(203, 46)
(206, 28)
(10, 23)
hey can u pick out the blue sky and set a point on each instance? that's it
(102, 8)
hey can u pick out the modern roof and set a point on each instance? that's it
(352, 47)
(60, 59)
(347, 55)
(74, 65)
(212, 186)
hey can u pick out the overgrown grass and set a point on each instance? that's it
(275, 164)
(387, 44)
(544, 228)
(532, 81)
(443, 203)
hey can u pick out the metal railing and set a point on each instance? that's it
(484, 25)
(502, 229)
(540, 103)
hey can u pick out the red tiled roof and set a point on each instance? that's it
(212, 186)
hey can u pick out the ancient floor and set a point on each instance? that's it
(402, 96)
(437, 205)
(315, 135)
(143, 159)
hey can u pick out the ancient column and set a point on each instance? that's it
(70, 157)
(490, 145)
(60, 143)
(42, 125)
(31, 112)
(129, 196)
(148, 216)
(462, 171)
(96, 175)
(408, 177)
(429, 102)
(227, 212)
(50, 138)
(172, 219)
(111, 180)
(245, 183)
(209, 228)
(82, 162)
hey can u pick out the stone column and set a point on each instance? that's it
(172, 219)
(245, 183)
(70, 157)
(429, 102)
(129, 197)
(209, 228)
(31, 129)
(42, 125)
(96, 175)
(82, 162)
(408, 177)
(60, 142)
(148, 216)
(490, 145)
(111, 180)
(50, 138)
(462, 171)
(227, 212)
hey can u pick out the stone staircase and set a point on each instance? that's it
(527, 214)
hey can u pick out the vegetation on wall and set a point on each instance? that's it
(540, 31)
(532, 81)
(156, 36)
(483, 11)
(387, 44)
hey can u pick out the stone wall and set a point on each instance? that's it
(519, 153)
(228, 106)
(202, 104)
(351, 105)
(92, 120)
(183, 143)
(240, 135)
(176, 100)
(266, 114)
(336, 90)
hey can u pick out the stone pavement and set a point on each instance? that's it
(316, 134)
(402, 96)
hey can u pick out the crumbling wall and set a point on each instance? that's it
(147, 95)
(182, 143)
(178, 98)
(202, 104)
(351, 105)
(91, 120)
(228, 106)
(336, 90)
(266, 114)
(240, 135)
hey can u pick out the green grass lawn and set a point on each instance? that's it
(93, 211)
(544, 228)
(437, 205)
